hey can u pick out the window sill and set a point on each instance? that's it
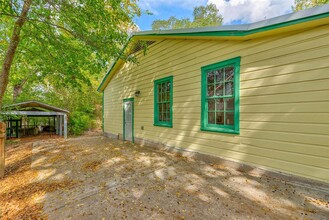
(221, 130)
(163, 125)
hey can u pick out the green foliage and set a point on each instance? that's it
(64, 48)
(304, 4)
(202, 16)
(79, 122)
(68, 39)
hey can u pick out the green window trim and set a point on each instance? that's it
(133, 119)
(205, 126)
(103, 129)
(157, 121)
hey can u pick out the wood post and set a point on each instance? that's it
(65, 126)
(2, 148)
(60, 125)
(57, 125)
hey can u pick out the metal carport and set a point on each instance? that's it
(38, 109)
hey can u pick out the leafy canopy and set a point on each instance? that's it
(202, 16)
(63, 48)
(304, 4)
(70, 42)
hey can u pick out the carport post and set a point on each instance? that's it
(57, 125)
(65, 126)
(60, 125)
(2, 148)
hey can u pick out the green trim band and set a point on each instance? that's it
(103, 129)
(129, 99)
(322, 12)
(236, 33)
(113, 65)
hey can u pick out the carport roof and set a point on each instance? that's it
(31, 105)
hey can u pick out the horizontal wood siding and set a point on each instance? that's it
(284, 99)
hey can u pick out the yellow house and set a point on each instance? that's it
(257, 94)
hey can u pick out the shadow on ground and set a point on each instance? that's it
(115, 179)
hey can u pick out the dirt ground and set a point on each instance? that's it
(93, 177)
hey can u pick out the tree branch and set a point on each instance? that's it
(10, 54)
(45, 22)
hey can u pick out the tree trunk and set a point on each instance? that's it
(18, 88)
(2, 148)
(17, 91)
(9, 56)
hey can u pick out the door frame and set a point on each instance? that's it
(133, 119)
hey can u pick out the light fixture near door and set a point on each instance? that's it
(137, 93)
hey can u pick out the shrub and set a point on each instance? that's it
(79, 122)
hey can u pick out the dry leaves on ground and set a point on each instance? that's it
(91, 166)
(18, 192)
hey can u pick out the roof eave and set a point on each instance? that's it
(233, 33)
(245, 29)
(298, 20)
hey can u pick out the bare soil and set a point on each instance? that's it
(93, 177)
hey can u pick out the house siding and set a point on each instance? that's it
(284, 99)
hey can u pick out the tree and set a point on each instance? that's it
(68, 40)
(202, 16)
(13, 44)
(304, 4)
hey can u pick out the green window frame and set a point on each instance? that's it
(220, 101)
(163, 101)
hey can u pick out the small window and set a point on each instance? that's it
(163, 96)
(220, 96)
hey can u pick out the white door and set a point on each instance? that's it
(128, 108)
